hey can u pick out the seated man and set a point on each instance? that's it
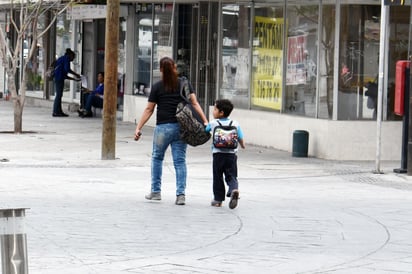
(93, 98)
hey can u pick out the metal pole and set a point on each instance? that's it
(384, 20)
(13, 241)
(408, 102)
(405, 128)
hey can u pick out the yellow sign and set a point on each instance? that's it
(267, 62)
(394, 2)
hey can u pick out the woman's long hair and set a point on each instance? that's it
(168, 68)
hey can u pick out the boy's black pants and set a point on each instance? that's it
(224, 164)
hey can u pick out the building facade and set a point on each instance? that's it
(286, 65)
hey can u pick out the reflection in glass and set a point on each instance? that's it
(326, 52)
(234, 83)
(154, 40)
(143, 50)
(300, 95)
(358, 61)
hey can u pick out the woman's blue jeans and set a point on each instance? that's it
(165, 135)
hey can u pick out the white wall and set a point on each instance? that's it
(339, 140)
(133, 107)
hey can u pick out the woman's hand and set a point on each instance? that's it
(137, 134)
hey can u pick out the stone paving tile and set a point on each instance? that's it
(295, 215)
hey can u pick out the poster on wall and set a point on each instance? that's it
(229, 71)
(242, 70)
(235, 71)
(296, 63)
(267, 80)
(267, 62)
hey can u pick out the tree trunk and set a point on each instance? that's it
(110, 81)
(18, 102)
(18, 114)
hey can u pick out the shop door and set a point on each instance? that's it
(205, 52)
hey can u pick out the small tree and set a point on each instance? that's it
(26, 24)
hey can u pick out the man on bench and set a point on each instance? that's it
(93, 98)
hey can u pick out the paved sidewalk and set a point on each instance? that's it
(295, 215)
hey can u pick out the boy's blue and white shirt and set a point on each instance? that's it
(225, 122)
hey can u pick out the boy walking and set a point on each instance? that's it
(226, 135)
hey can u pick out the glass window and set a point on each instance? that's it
(234, 84)
(162, 36)
(63, 41)
(399, 20)
(358, 62)
(154, 40)
(326, 52)
(267, 64)
(35, 66)
(300, 93)
(185, 35)
(143, 50)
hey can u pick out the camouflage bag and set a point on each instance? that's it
(192, 130)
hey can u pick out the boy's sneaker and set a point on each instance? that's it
(233, 199)
(153, 196)
(180, 199)
(81, 112)
(216, 203)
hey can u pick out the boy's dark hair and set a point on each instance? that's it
(224, 105)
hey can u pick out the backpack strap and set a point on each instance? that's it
(184, 85)
(220, 124)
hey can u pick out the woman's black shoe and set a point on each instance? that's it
(81, 112)
(59, 114)
(87, 114)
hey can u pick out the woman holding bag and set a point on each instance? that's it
(166, 95)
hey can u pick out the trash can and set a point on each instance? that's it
(300, 143)
(13, 241)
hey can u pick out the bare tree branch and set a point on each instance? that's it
(24, 23)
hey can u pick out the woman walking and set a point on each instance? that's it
(166, 95)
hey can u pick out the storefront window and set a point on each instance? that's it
(154, 40)
(35, 82)
(399, 20)
(267, 57)
(301, 63)
(162, 36)
(326, 52)
(35, 66)
(358, 61)
(234, 84)
(143, 50)
(64, 28)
